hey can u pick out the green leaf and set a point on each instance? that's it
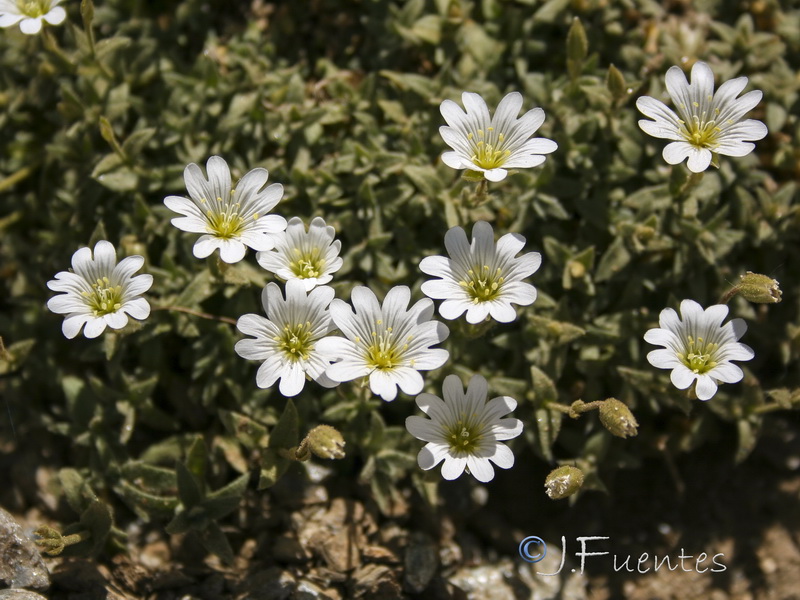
(544, 390)
(189, 489)
(77, 491)
(614, 259)
(247, 431)
(577, 48)
(199, 288)
(154, 478)
(548, 425)
(273, 467)
(286, 434)
(145, 504)
(196, 459)
(98, 521)
(215, 542)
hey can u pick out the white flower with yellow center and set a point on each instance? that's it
(311, 256)
(464, 430)
(98, 292)
(30, 14)
(289, 340)
(230, 218)
(481, 279)
(698, 347)
(707, 123)
(492, 145)
(390, 344)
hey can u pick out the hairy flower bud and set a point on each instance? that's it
(563, 482)
(617, 418)
(759, 288)
(325, 442)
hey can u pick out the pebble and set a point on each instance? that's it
(20, 595)
(21, 565)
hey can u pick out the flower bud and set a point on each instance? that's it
(759, 288)
(618, 418)
(325, 442)
(563, 482)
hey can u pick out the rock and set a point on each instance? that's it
(308, 591)
(288, 550)
(483, 583)
(379, 554)
(375, 582)
(341, 552)
(421, 562)
(270, 584)
(21, 565)
(20, 595)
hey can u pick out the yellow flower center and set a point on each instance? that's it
(295, 341)
(307, 264)
(699, 356)
(383, 351)
(104, 298)
(224, 219)
(487, 148)
(464, 435)
(33, 8)
(701, 129)
(482, 284)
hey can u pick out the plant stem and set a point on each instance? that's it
(197, 313)
(726, 297)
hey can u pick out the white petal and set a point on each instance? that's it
(205, 246)
(231, 251)
(56, 15)
(424, 429)
(116, 320)
(727, 373)
(682, 377)
(94, 327)
(347, 371)
(453, 467)
(705, 388)
(293, 379)
(663, 359)
(383, 384)
(699, 160)
(72, 325)
(503, 457)
(481, 468)
(431, 455)
(502, 312)
(33, 26)
(269, 372)
(495, 174)
(137, 308)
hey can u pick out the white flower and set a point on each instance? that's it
(30, 14)
(491, 145)
(312, 257)
(483, 278)
(697, 347)
(706, 123)
(230, 219)
(465, 430)
(99, 292)
(388, 343)
(289, 340)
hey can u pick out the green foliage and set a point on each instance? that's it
(343, 111)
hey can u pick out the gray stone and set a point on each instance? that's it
(422, 561)
(20, 595)
(21, 565)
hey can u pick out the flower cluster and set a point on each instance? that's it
(308, 334)
(30, 14)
